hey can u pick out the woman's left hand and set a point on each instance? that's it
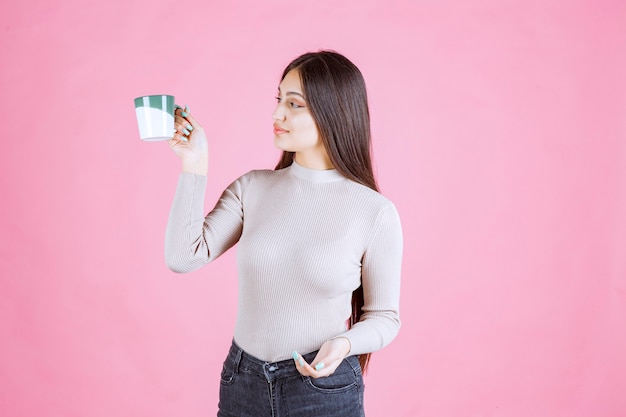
(329, 357)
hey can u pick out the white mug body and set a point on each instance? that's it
(155, 117)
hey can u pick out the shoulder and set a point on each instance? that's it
(368, 198)
(261, 176)
(385, 224)
(375, 211)
(257, 175)
(257, 178)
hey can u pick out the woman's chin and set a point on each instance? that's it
(280, 144)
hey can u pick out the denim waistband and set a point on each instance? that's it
(240, 359)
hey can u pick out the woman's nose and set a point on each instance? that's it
(279, 113)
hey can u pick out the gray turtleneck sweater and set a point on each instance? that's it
(307, 239)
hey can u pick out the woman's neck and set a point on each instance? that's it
(321, 162)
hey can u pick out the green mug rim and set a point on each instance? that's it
(155, 101)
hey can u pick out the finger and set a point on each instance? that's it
(178, 111)
(181, 124)
(314, 370)
(326, 370)
(307, 370)
(299, 360)
(185, 126)
(179, 136)
(187, 115)
(326, 364)
(175, 143)
(302, 366)
(325, 367)
(181, 111)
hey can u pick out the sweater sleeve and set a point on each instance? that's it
(380, 277)
(193, 239)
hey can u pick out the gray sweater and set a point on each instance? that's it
(307, 239)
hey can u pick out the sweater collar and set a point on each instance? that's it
(315, 175)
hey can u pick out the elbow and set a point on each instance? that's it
(398, 324)
(176, 269)
(178, 263)
(176, 258)
(390, 327)
(183, 262)
(175, 265)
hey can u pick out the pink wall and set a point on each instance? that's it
(499, 133)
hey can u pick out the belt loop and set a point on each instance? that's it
(237, 359)
(357, 369)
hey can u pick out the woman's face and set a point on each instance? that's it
(294, 127)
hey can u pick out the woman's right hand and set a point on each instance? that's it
(189, 142)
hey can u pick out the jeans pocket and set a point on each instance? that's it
(228, 374)
(343, 379)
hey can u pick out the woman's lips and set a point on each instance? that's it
(279, 130)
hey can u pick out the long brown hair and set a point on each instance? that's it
(337, 99)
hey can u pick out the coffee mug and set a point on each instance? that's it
(155, 117)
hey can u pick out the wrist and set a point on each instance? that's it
(346, 345)
(198, 166)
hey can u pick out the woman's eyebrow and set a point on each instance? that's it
(292, 93)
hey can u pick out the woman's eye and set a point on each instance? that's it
(291, 104)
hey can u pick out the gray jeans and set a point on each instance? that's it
(251, 387)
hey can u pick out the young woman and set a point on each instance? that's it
(319, 250)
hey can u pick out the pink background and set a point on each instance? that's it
(499, 131)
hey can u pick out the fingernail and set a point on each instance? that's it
(190, 127)
(184, 139)
(182, 113)
(187, 108)
(319, 366)
(186, 132)
(295, 355)
(176, 106)
(301, 361)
